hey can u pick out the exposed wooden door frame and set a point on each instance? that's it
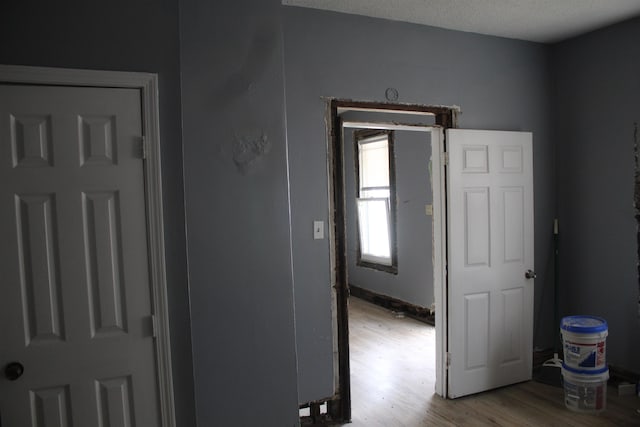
(147, 84)
(445, 117)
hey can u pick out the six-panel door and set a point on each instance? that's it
(490, 228)
(75, 308)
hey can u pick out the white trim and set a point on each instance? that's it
(439, 258)
(74, 77)
(147, 83)
(385, 126)
(384, 110)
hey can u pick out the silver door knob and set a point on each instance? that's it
(530, 274)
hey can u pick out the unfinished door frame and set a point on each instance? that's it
(147, 84)
(339, 408)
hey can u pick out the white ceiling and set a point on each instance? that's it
(545, 21)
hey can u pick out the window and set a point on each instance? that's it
(375, 200)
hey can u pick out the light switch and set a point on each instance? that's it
(318, 230)
(428, 209)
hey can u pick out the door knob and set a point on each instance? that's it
(530, 274)
(13, 371)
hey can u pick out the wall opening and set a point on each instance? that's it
(339, 408)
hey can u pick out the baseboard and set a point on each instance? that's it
(410, 310)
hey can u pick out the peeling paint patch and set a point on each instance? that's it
(249, 148)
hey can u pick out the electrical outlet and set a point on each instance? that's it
(428, 209)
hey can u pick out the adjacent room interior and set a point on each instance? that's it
(389, 206)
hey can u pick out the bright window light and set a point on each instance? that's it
(375, 210)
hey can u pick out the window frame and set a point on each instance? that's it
(358, 136)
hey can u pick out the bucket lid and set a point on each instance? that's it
(584, 371)
(583, 324)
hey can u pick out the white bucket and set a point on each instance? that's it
(584, 342)
(585, 392)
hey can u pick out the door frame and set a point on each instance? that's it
(147, 84)
(339, 408)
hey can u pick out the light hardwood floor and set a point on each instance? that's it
(393, 380)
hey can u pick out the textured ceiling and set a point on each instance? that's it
(545, 21)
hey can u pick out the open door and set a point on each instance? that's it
(490, 258)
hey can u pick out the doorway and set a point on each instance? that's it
(439, 118)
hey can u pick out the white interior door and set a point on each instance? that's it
(75, 310)
(490, 224)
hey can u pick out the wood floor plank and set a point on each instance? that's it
(393, 382)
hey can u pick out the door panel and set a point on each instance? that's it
(50, 407)
(476, 226)
(103, 258)
(477, 327)
(114, 409)
(513, 202)
(490, 220)
(39, 268)
(76, 305)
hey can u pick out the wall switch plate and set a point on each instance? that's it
(428, 209)
(318, 230)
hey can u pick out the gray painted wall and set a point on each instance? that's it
(238, 213)
(125, 36)
(414, 281)
(498, 83)
(597, 81)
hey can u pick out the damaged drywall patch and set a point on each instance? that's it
(249, 148)
(636, 201)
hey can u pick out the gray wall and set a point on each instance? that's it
(125, 36)
(498, 83)
(414, 281)
(238, 213)
(597, 88)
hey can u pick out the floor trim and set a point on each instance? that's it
(410, 310)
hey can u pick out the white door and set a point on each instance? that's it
(75, 309)
(490, 225)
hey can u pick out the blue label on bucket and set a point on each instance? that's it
(583, 324)
(588, 372)
(584, 351)
(589, 361)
